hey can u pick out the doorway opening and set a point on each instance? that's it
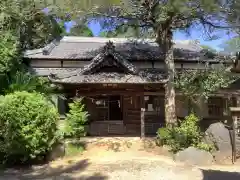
(115, 108)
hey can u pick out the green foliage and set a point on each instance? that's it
(199, 83)
(159, 19)
(8, 52)
(27, 21)
(205, 147)
(25, 81)
(9, 57)
(81, 30)
(23, 25)
(186, 135)
(122, 32)
(73, 149)
(209, 52)
(28, 127)
(76, 120)
(163, 134)
(154, 16)
(232, 45)
(233, 16)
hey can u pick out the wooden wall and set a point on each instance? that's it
(131, 104)
(132, 112)
(130, 124)
(133, 98)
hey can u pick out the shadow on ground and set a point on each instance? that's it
(220, 175)
(69, 172)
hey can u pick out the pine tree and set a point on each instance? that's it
(160, 18)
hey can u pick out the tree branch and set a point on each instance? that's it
(204, 21)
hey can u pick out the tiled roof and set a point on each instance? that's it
(144, 76)
(56, 71)
(119, 70)
(88, 48)
(105, 52)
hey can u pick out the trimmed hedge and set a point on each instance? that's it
(28, 127)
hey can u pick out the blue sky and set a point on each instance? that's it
(221, 38)
(196, 34)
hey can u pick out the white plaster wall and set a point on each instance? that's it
(181, 65)
(45, 63)
(142, 64)
(73, 64)
(79, 64)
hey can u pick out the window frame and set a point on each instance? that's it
(216, 106)
(157, 105)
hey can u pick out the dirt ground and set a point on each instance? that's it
(116, 161)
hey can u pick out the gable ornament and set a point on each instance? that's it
(109, 48)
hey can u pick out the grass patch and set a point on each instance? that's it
(73, 149)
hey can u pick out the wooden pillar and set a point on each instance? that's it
(142, 115)
(227, 105)
(142, 122)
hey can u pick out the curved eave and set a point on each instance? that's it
(59, 81)
(140, 83)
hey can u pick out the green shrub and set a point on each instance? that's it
(28, 127)
(181, 137)
(25, 81)
(163, 134)
(76, 120)
(73, 149)
(205, 147)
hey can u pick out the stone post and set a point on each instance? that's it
(142, 122)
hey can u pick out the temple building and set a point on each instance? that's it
(122, 81)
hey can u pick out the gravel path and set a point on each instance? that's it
(122, 166)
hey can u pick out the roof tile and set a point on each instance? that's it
(133, 49)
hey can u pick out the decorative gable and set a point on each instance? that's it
(109, 67)
(109, 61)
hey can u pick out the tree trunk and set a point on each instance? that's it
(170, 107)
(164, 39)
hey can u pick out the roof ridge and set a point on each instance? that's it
(33, 51)
(49, 47)
(120, 40)
(102, 39)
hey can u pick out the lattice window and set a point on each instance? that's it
(216, 106)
